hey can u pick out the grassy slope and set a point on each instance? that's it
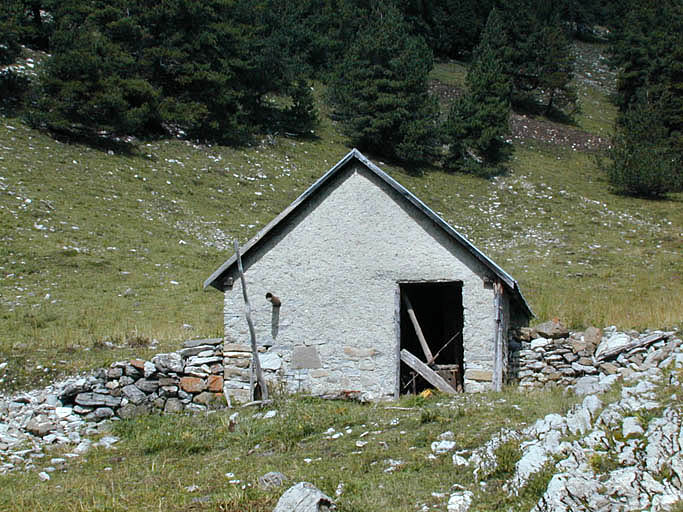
(159, 457)
(103, 251)
(112, 249)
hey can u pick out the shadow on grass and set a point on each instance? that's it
(529, 106)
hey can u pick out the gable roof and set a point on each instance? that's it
(230, 266)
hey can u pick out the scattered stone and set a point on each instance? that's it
(460, 501)
(631, 428)
(39, 428)
(304, 497)
(271, 480)
(108, 441)
(552, 329)
(532, 461)
(439, 447)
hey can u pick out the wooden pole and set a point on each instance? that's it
(256, 363)
(498, 337)
(423, 342)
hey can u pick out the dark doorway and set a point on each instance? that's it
(439, 312)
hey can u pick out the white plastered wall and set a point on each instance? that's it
(335, 267)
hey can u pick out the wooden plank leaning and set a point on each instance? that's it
(644, 342)
(256, 363)
(418, 330)
(426, 372)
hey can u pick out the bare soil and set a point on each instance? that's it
(527, 128)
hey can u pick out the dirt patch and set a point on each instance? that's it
(529, 129)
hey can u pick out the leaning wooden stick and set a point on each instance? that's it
(497, 383)
(423, 342)
(260, 380)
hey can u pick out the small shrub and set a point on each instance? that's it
(428, 416)
(507, 455)
(136, 340)
(602, 463)
(678, 507)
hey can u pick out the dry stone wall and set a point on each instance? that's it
(190, 379)
(550, 355)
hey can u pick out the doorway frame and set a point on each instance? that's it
(398, 305)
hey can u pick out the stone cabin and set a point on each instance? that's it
(369, 279)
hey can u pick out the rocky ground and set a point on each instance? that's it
(618, 456)
(614, 451)
(525, 128)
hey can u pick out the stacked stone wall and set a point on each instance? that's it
(190, 379)
(550, 355)
(196, 377)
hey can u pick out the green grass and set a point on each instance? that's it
(450, 73)
(158, 457)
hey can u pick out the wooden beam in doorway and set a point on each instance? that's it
(426, 372)
(418, 330)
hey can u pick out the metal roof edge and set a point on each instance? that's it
(450, 230)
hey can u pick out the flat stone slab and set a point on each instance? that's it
(305, 357)
(171, 362)
(97, 400)
(198, 361)
(614, 342)
(207, 341)
(134, 394)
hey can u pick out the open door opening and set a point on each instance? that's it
(437, 309)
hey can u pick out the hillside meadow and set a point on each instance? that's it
(105, 249)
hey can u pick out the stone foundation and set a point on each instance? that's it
(203, 372)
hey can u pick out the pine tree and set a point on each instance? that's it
(379, 90)
(647, 148)
(139, 68)
(540, 63)
(10, 47)
(647, 49)
(478, 120)
(643, 162)
(92, 82)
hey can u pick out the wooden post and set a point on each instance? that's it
(498, 337)
(256, 363)
(430, 375)
(423, 342)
